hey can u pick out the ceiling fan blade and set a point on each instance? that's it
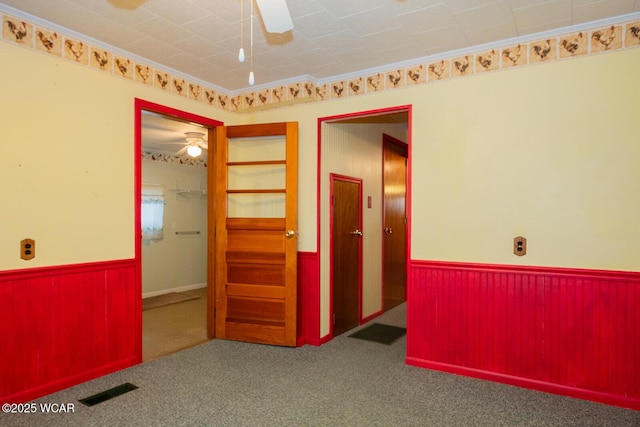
(275, 15)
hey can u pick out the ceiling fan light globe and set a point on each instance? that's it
(194, 150)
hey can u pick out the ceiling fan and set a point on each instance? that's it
(194, 143)
(275, 15)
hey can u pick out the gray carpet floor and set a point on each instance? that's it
(346, 382)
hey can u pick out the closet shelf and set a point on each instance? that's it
(189, 192)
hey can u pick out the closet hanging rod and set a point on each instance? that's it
(181, 233)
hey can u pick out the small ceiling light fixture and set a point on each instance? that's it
(196, 141)
(194, 150)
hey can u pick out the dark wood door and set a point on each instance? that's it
(255, 237)
(395, 225)
(346, 247)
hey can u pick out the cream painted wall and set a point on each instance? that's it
(176, 262)
(67, 164)
(548, 152)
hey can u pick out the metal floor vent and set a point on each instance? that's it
(108, 394)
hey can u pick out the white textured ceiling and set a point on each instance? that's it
(201, 38)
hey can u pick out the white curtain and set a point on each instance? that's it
(152, 211)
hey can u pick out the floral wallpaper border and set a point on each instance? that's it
(593, 41)
(174, 160)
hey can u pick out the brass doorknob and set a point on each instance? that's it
(357, 233)
(289, 234)
(388, 230)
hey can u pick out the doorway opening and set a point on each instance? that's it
(352, 145)
(173, 265)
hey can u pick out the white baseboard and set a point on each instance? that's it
(178, 289)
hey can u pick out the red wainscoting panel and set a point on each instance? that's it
(308, 298)
(565, 331)
(64, 325)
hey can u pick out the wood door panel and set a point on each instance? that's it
(255, 259)
(249, 240)
(253, 332)
(395, 214)
(273, 292)
(275, 258)
(255, 224)
(256, 274)
(254, 310)
(346, 258)
(265, 129)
